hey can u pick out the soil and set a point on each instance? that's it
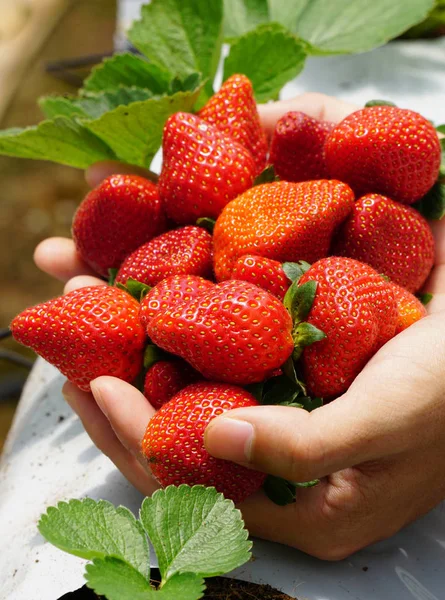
(217, 588)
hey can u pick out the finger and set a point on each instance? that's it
(82, 281)
(57, 256)
(384, 412)
(103, 437)
(101, 170)
(127, 410)
(318, 106)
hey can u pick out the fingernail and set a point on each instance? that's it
(229, 439)
(97, 393)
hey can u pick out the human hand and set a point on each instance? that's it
(373, 447)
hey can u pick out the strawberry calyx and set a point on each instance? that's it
(282, 491)
(379, 102)
(206, 223)
(294, 271)
(268, 175)
(153, 354)
(425, 298)
(136, 289)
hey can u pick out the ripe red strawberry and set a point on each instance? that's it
(234, 332)
(169, 292)
(266, 273)
(409, 308)
(174, 441)
(355, 307)
(203, 169)
(386, 150)
(166, 378)
(187, 250)
(115, 218)
(87, 333)
(233, 111)
(394, 239)
(296, 149)
(282, 221)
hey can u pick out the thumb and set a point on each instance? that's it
(386, 411)
(290, 442)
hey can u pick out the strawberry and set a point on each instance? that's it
(266, 273)
(166, 378)
(282, 221)
(296, 149)
(233, 111)
(385, 150)
(169, 292)
(203, 169)
(409, 308)
(115, 218)
(174, 441)
(394, 239)
(355, 308)
(186, 250)
(234, 332)
(87, 333)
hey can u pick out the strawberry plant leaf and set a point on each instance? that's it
(135, 288)
(279, 490)
(440, 128)
(127, 70)
(344, 27)
(299, 299)
(240, 16)
(206, 223)
(280, 390)
(91, 529)
(295, 270)
(62, 140)
(134, 132)
(91, 105)
(290, 371)
(211, 540)
(432, 205)
(305, 334)
(194, 39)
(117, 580)
(269, 55)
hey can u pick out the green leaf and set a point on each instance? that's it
(295, 270)
(181, 36)
(266, 176)
(432, 205)
(346, 27)
(290, 371)
(127, 70)
(240, 16)
(309, 403)
(112, 274)
(299, 299)
(269, 55)
(134, 132)
(280, 390)
(91, 529)
(62, 140)
(440, 128)
(371, 103)
(211, 540)
(117, 580)
(91, 105)
(425, 298)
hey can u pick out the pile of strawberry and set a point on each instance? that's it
(303, 278)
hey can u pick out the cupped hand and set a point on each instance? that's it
(379, 449)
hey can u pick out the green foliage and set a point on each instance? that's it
(269, 55)
(195, 532)
(432, 205)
